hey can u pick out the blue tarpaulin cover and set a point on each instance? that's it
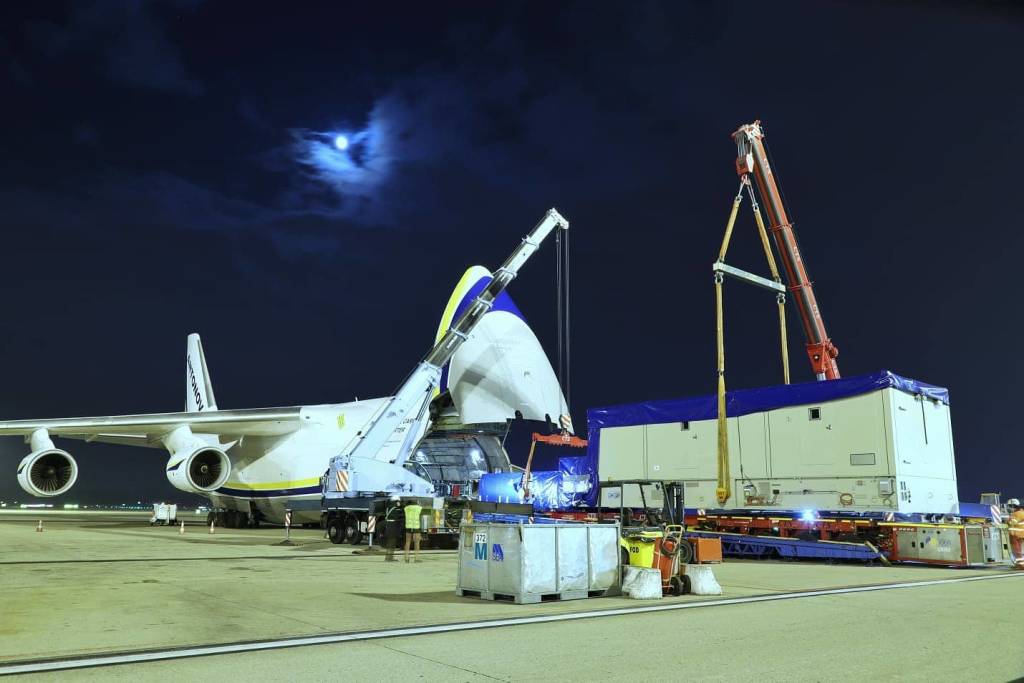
(579, 481)
(573, 485)
(746, 401)
(506, 487)
(977, 510)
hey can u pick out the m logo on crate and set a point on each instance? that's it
(480, 546)
(497, 554)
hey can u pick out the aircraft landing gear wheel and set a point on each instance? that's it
(335, 531)
(352, 533)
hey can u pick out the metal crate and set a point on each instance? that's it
(527, 563)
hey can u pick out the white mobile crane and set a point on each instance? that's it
(360, 479)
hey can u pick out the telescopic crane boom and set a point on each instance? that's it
(361, 467)
(752, 159)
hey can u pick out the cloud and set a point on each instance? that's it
(111, 202)
(352, 176)
(514, 126)
(115, 199)
(133, 49)
(428, 145)
(441, 145)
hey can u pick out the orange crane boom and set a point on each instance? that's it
(752, 159)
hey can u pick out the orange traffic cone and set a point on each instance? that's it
(39, 527)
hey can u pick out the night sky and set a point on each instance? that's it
(166, 168)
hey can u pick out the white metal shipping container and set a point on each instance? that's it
(879, 445)
(536, 562)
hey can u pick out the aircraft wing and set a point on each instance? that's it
(146, 430)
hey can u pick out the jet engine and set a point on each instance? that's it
(47, 471)
(200, 470)
(195, 466)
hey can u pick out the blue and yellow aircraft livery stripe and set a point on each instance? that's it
(271, 489)
(473, 281)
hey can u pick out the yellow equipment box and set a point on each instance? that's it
(641, 548)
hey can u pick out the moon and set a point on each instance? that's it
(341, 142)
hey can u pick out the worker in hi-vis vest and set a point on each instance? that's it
(413, 512)
(1015, 524)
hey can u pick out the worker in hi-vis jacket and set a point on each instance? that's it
(1016, 528)
(413, 512)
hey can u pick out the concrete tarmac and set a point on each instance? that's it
(99, 584)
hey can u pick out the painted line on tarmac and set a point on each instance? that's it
(351, 555)
(137, 657)
(218, 558)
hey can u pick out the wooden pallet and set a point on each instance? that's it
(531, 598)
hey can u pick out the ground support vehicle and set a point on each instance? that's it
(774, 547)
(951, 541)
(353, 520)
(867, 537)
(164, 514)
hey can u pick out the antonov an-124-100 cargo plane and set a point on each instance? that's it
(254, 463)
